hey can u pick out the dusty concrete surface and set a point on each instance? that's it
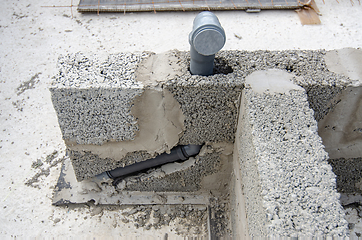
(288, 184)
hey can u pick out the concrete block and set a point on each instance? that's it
(150, 104)
(93, 98)
(288, 185)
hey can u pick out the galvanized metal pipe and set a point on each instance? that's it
(206, 39)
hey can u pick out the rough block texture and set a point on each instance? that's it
(93, 99)
(209, 104)
(349, 174)
(289, 187)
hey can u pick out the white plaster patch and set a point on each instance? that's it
(272, 81)
(160, 120)
(158, 68)
(341, 129)
(346, 61)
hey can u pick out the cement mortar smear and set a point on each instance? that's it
(93, 99)
(288, 184)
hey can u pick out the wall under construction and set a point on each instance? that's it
(264, 104)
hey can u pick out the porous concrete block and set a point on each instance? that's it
(289, 187)
(349, 175)
(93, 98)
(209, 104)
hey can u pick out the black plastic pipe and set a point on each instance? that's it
(179, 153)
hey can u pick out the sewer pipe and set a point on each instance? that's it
(206, 39)
(179, 153)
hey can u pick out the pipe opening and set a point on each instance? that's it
(221, 66)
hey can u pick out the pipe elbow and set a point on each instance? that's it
(206, 39)
(207, 35)
(192, 150)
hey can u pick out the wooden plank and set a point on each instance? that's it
(182, 5)
(308, 14)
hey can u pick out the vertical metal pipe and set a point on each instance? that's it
(206, 39)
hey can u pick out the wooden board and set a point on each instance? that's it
(182, 5)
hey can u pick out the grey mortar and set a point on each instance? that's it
(86, 88)
(297, 185)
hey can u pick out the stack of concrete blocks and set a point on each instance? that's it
(128, 108)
